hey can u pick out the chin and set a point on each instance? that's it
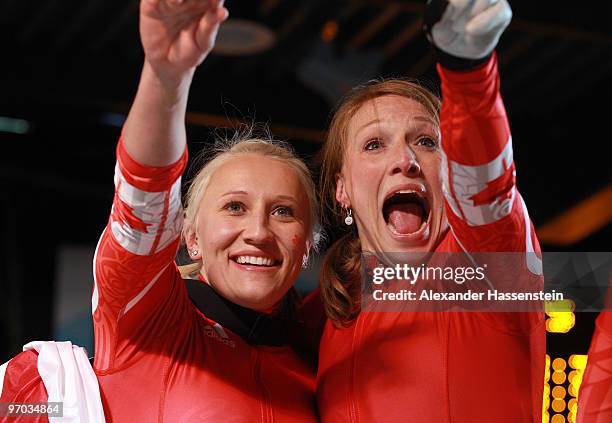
(259, 300)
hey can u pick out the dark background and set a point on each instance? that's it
(70, 69)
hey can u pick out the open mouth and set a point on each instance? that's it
(406, 212)
(257, 261)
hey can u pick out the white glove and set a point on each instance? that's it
(471, 28)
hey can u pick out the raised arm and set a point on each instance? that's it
(137, 291)
(484, 208)
(176, 36)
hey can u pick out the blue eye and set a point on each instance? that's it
(283, 211)
(373, 144)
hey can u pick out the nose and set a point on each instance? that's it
(406, 161)
(257, 230)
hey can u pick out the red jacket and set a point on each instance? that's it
(450, 367)
(595, 399)
(159, 354)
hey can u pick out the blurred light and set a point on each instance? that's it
(329, 31)
(557, 418)
(239, 37)
(559, 306)
(558, 377)
(576, 381)
(558, 405)
(113, 119)
(558, 392)
(572, 405)
(580, 221)
(14, 126)
(578, 361)
(560, 322)
(558, 364)
(571, 417)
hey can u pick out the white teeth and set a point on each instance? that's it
(258, 261)
(409, 191)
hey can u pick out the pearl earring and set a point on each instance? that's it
(348, 220)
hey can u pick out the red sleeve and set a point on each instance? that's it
(20, 382)
(595, 399)
(484, 208)
(134, 270)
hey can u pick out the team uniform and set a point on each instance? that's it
(595, 399)
(173, 350)
(451, 367)
(51, 373)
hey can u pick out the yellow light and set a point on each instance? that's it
(559, 364)
(576, 381)
(560, 322)
(578, 361)
(571, 417)
(559, 306)
(558, 405)
(572, 406)
(557, 418)
(558, 392)
(558, 377)
(545, 417)
(573, 390)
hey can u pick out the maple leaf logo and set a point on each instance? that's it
(498, 187)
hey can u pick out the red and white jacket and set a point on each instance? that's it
(595, 398)
(52, 372)
(450, 367)
(158, 357)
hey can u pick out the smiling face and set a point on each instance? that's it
(390, 176)
(251, 230)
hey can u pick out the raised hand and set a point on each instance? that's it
(177, 35)
(469, 29)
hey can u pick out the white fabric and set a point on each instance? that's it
(94, 296)
(142, 293)
(534, 263)
(470, 180)
(471, 28)
(2, 373)
(163, 220)
(69, 378)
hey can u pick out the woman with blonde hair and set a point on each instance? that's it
(405, 175)
(216, 348)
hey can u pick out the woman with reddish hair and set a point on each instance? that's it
(406, 176)
(213, 342)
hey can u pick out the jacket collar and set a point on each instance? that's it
(253, 327)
